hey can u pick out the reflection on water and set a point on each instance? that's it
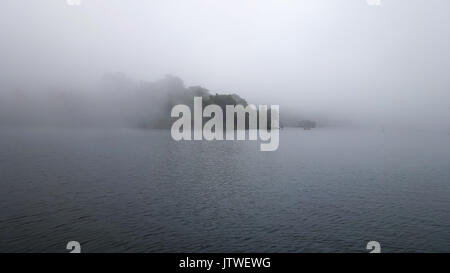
(139, 191)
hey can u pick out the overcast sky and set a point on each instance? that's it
(335, 57)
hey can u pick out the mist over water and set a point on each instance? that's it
(343, 62)
(86, 154)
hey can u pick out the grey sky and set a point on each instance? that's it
(340, 58)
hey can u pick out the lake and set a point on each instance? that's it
(323, 190)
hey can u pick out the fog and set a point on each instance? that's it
(340, 62)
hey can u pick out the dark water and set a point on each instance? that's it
(139, 191)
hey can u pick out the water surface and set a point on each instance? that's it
(323, 190)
